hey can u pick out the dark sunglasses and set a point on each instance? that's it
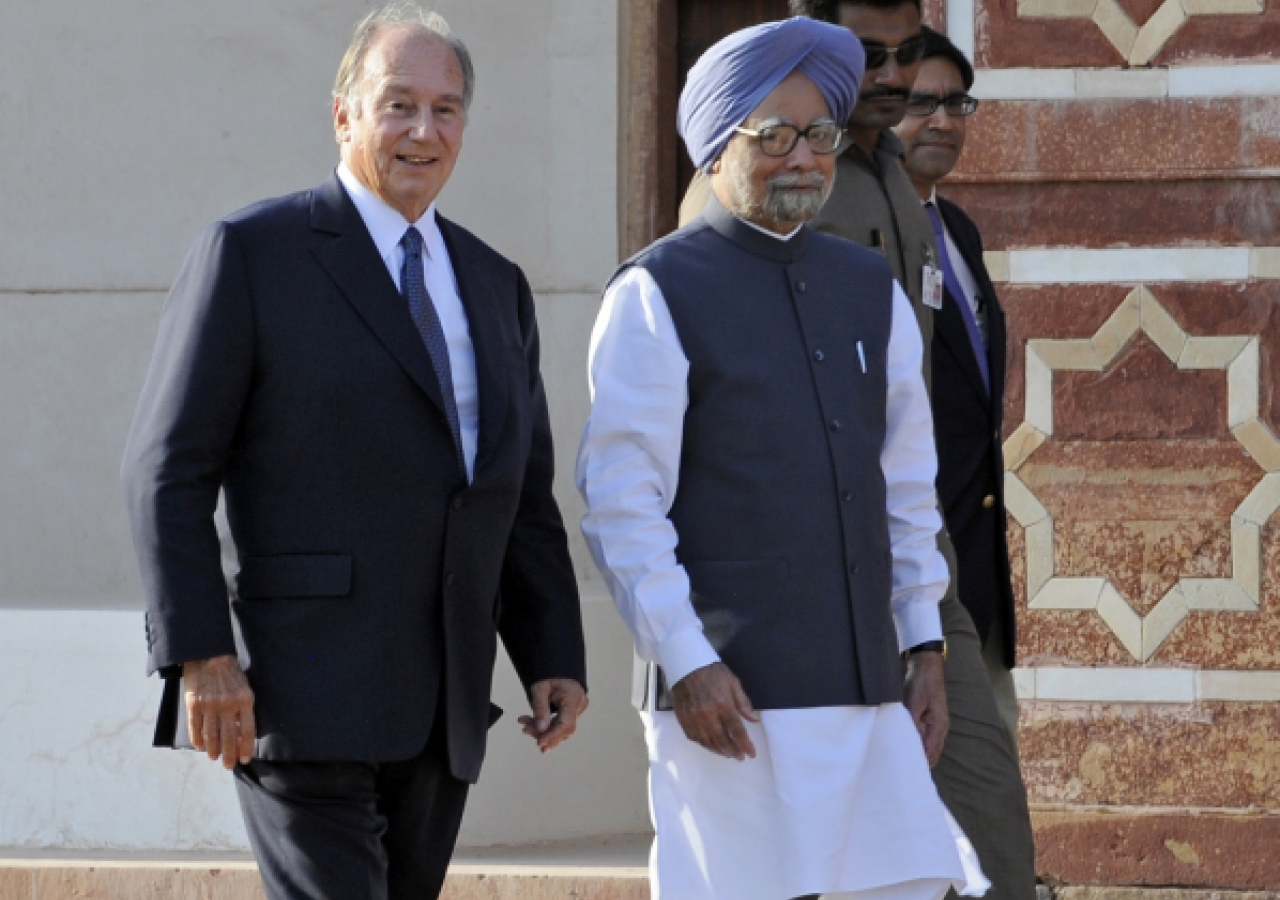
(908, 53)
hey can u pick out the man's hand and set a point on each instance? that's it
(219, 709)
(710, 706)
(926, 699)
(556, 703)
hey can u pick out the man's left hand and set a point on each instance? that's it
(556, 704)
(926, 700)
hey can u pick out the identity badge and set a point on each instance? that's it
(931, 287)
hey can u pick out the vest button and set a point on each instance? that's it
(819, 355)
(846, 496)
(449, 578)
(801, 286)
(835, 424)
(853, 568)
(988, 501)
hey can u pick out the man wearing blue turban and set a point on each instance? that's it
(758, 469)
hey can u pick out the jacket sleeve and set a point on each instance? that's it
(178, 448)
(540, 618)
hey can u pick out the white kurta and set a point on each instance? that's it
(839, 799)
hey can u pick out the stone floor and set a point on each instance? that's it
(604, 869)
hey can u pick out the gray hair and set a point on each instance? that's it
(398, 12)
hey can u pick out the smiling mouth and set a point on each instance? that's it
(416, 160)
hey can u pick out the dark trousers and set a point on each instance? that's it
(978, 777)
(353, 830)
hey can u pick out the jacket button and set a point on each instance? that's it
(449, 578)
(846, 496)
(835, 424)
(819, 355)
(853, 568)
(988, 501)
(458, 503)
(995, 435)
(801, 286)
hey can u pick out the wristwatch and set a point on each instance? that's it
(927, 647)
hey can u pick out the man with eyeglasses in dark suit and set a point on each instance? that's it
(968, 357)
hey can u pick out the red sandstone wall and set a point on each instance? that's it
(1126, 177)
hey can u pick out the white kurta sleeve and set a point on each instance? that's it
(910, 464)
(628, 470)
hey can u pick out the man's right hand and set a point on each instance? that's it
(710, 706)
(219, 709)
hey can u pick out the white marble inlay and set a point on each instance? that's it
(1150, 264)
(1068, 684)
(1178, 81)
(1142, 636)
(1116, 685)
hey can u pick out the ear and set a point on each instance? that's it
(716, 165)
(341, 120)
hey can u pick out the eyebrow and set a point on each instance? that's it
(403, 89)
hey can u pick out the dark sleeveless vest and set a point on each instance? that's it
(780, 508)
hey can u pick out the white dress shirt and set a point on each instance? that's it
(839, 800)
(387, 227)
(968, 283)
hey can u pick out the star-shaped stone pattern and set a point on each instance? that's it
(1138, 44)
(1239, 356)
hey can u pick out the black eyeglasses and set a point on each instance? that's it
(954, 104)
(908, 53)
(779, 140)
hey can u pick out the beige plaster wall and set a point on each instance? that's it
(125, 128)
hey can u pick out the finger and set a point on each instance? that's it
(229, 731)
(737, 733)
(195, 723)
(743, 703)
(248, 735)
(718, 738)
(540, 702)
(568, 708)
(212, 737)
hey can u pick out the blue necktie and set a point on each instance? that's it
(958, 295)
(414, 287)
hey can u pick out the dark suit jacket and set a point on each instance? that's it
(373, 580)
(967, 421)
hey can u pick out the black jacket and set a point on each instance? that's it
(967, 422)
(373, 580)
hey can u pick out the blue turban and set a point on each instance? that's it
(736, 74)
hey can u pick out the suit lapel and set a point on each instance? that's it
(352, 261)
(964, 233)
(481, 298)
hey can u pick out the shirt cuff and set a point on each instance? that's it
(683, 652)
(917, 621)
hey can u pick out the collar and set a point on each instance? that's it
(386, 225)
(933, 197)
(773, 234)
(753, 238)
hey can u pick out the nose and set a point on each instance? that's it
(890, 72)
(423, 126)
(802, 157)
(941, 119)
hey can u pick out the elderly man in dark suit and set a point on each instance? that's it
(360, 378)
(968, 364)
